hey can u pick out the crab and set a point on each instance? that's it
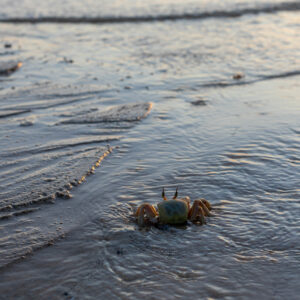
(173, 212)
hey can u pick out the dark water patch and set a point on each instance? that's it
(287, 6)
(7, 53)
(200, 102)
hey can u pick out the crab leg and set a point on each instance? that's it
(136, 214)
(148, 210)
(196, 213)
(207, 204)
(204, 207)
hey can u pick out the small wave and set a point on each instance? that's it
(67, 143)
(64, 177)
(259, 78)
(17, 213)
(281, 75)
(44, 104)
(13, 112)
(287, 6)
(44, 96)
(20, 205)
(48, 91)
(31, 240)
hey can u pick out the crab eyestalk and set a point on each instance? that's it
(163, 194)
(176, 194)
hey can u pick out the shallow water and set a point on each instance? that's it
(238, 148)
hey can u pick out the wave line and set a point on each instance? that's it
(288, 6)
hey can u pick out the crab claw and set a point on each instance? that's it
(145, 212)
(196, 213)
